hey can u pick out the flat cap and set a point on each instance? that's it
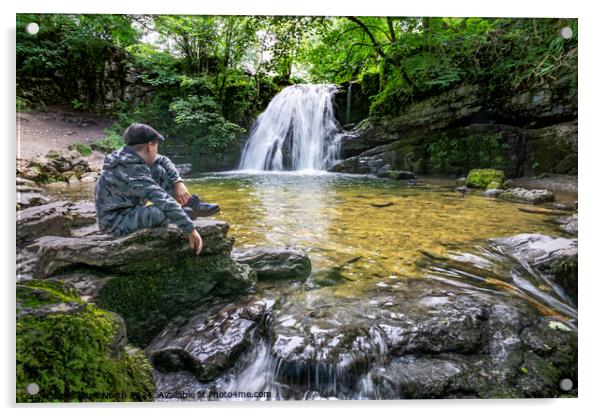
(141, 133)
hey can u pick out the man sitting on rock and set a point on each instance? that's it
(139, 188)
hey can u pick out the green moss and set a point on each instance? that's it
(494, 185)
(553, 150)
(82, 148)
(480, 178)
(42, 292)
(148, 301)
(72, 355)
(457, 150)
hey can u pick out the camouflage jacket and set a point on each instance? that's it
(126, 182)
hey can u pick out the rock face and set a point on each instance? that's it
(148, 277)
(208, 343)
(59, 218)
(527, 133)
(55, 327)
(275, 263)
(529, 196)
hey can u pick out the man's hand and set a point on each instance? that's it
(180, 193)
(196, 242)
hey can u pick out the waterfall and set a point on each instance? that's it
(298, 131)
(348, 112)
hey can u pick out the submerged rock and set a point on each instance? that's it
(492, 193)
(275, 263)
(208, 344)
(396, 174)
(529, 196)
(462, 190)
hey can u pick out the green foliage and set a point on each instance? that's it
(71, 50)
(452, 155)
(111, 142)
(23, 104)
(482, 178)
(208, 77)
(198, 122)
(82, 148)
(70, 355)
(76, 104)
(419, 57)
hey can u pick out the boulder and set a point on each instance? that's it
(208, 344)
(462, 190)
(569, 224)
(529, 196)
(275, 263)
(556, 257)
(59, 218)
(55, 327)
(481, 178)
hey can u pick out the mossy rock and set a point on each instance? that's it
(494, 185)
(148, 302)
(480, 178)
(74, 351)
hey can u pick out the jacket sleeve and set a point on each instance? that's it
(142, 185)
(170, 168)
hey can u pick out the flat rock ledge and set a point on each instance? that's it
(147, 250)
(60, 218)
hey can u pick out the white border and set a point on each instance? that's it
(589, 159)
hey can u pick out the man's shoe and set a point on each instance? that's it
(197, 208)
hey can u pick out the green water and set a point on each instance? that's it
(363, 227)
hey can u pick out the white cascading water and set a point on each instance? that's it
(298, 131)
